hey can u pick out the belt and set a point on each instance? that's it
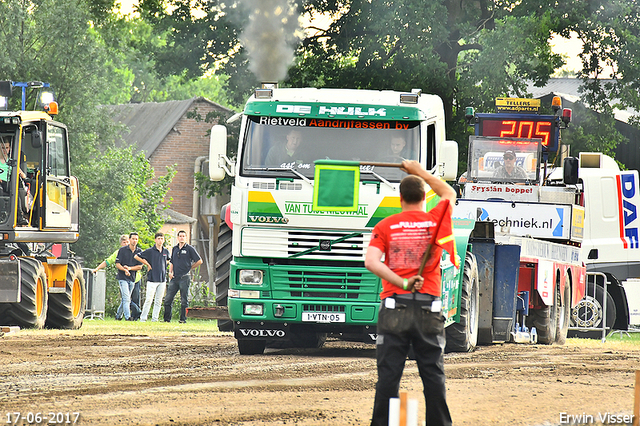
(423, 297)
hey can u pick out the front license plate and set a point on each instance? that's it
(323, 317)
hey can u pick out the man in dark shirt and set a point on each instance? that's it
(155, 258)
(184, 258)
(286, 153)
(127, 266)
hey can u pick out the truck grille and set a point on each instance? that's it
(281, 243)
(322, 308)
(291, 282)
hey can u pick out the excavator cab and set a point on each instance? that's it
(41, 282)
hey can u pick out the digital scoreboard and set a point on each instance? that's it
(530, 126)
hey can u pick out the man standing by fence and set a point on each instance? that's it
(184, 258)
(127, 268)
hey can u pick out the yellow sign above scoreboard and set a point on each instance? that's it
(517, 105)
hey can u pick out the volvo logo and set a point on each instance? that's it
(325, 245)
(268, 219)
(250, 332)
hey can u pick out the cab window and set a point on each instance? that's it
(57, 151)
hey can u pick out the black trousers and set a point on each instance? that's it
(135, 300)
(411, 322)
(180, 283)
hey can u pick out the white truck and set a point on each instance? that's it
(298, 274)
(581, 214)
(610, 246)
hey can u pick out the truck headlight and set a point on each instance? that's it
(250, 276)
(253, 309)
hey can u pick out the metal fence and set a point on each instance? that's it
(96, 284)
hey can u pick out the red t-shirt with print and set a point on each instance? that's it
(403, 238)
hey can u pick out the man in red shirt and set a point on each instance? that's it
(411, 308)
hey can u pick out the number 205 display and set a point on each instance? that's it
(530, 128)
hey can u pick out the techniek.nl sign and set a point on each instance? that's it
(522, 219)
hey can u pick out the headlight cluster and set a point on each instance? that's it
(250, 276)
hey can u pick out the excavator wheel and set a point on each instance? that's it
(31, 312)
(66, 310)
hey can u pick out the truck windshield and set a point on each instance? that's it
(503, 160)
(271, 146)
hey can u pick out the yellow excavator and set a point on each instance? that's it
(41, 283)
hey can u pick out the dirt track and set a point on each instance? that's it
(195, 380)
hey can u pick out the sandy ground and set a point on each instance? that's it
(195, 380)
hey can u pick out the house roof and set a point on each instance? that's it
(569, 89)
(559, 86)
(150, 122)
(174, 217)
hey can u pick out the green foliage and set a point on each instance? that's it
(199, 36)
(177, 87)
(118, 196)
(592, 132)
(31, 41)
(114, 194)
(199, 292)
(469, 53)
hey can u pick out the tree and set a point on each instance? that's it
(58, 42)
(469, 52)
(466, 51)
(117, 198)
(199, 37)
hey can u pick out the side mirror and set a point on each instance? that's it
(36, 139)
(449, 158)
(570, 171)
(217, 152)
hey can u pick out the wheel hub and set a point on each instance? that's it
(587, 313)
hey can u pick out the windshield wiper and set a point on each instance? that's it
(280, 169)
(383, 180)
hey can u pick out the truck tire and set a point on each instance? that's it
(589, 312)
(31, 312)
(309, 340)
(463, 336)
(251, 347)
(545, 320)
(564, 314)
(66, 310)
(223, 267)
